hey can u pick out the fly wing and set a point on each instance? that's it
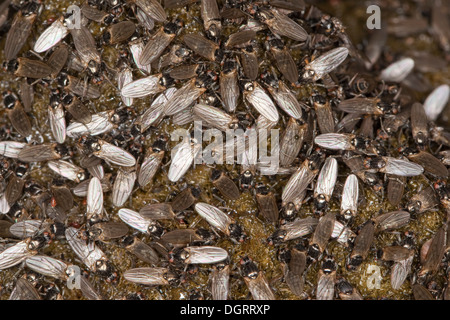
(11, 149)
(334, 141)
(328, 62)
(350, 194)
(24, 290)
(85, 44)
(147, 276)
(325, 286)
(99, 124)
(153, 9)
(125, 77)
(298, 182)
(285, 26)
(400, 271)
(299, 228)
(261, 101)
(26, 228)
(41, 152)
(115, 155)
(142, 87)
(259, 288)
(214, 216)
(219, 280)
(215, 117)
(57, 123)
(47, 266)
(360, 105)
(403, 168)
(155, 47)
(134, 220)
(149, 167)
(205, 254)
(287, 101)
(181, 161)
(183, 98)
(286, 64)
(15, 254)
(18, 34)
(123, 187)
(94, 198)
(51, 36)
(327, 178)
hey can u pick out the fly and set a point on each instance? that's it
(219, 279)
(42, 152)
(260, 100)
(202, 46)
(94, 207)
(79, 111)
(326, 279)
(211, 18)
(140, 88)
(16, 114)
(151, 162)
(225, 185)
(199, 255)
(255, 280)
(157, 211)
(395, 166)
(419, 125)
(157, 276)
(138, 222)
(214, 117)
(324, 64)
(18, 33)
(349, 199)
(158, 43)
(182, 159)
(186, 198)
(229, 89)
(281, 24)
(284, 60)
(267, 203)
(67, 170)
(321, 235)
(51, 36)
(220, 220)
(363, 242)
(436, 102)
(397, 71)
(123, 186)
(293, 230)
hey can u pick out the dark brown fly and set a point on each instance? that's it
(240, 38)
(105, 231)
(14, 189)
(325, 118)
(423, 201)
(184, 237)
(58, 59)
(157, 211)
(79, 110)
(141, 250)
(225, 185)
(419, 125)
(63, 197)
(211, 17)
(250, 63)
(291, 142)
(42, 152)
(361, 105)
(394, 253)
(184, 72)
(321, 235)
(152, 8)
(201, 46)
(430, 163)
(395, 189)
(363, 242)
(19, 119)
(284, 61)
(435, 252)
(421, 293)
(185, 199)
(26, 95)
(34, 69)
(158, 43)
(391, 220)
(18, 34)
(119, 32)
(79, 87)
(267, 203)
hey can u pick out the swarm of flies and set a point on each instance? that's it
(352, 127)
